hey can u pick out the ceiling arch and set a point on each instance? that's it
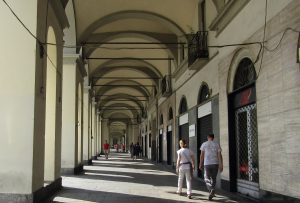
(119, 106)
(158, 38)
(128, 97)
(130, 84)
(138, 65)
(146, 72)
(131, 14)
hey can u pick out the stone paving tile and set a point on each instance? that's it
(120, 180)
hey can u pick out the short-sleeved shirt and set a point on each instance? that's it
(106, 146)
(211, 149)
(185, 157)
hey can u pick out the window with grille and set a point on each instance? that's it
(203, 93)
(183, 106)
(245, 74)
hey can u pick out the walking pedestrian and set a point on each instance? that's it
(136, 150)
(106, 149)
(185, 162)
(213, 161)
(131, 150)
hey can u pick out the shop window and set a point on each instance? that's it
(183, 106)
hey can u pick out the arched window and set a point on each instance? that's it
(245, 74)
(170, 113)
(161, 120)
(204, 93)
(183, 106)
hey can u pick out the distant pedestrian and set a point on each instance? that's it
(136, 150)
(131, 150)
(106, 149)
(184, 167)
(212, 157)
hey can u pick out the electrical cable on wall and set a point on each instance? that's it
(264, 36)
(261, 51)
(42, 48)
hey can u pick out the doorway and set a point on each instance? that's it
(169, 148)
(160, 148)
(204, 126)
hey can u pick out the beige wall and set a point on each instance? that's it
(24, 99)
(17, 97)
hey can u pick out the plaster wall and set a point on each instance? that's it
(17, 97)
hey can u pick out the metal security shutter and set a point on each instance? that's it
(184, 133)
(204, 128)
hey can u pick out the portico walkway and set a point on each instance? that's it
(123, 180)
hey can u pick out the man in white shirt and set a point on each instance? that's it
(213, 161)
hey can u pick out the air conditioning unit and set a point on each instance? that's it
(165, 86)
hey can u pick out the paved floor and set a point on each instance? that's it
(120, 179)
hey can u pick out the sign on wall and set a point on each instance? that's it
(169, 128)
(184, 119)
(192, 130)
(204, 110)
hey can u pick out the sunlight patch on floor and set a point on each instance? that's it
(65, 200)
(110, 175)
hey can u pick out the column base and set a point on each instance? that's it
(72, 171)
(47, 191)
(85, 162)
(78, 169)
(36, 197)
(16, 198)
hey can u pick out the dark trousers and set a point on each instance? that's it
(210, 176)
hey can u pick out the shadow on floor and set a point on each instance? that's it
(81, 195)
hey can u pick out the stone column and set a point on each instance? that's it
(69, 140)
(86, 132)
(105, 133)
(93, 126)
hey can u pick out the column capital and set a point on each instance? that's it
(80, 64)
(70, 58)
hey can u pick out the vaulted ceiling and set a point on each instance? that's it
(129, 46)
